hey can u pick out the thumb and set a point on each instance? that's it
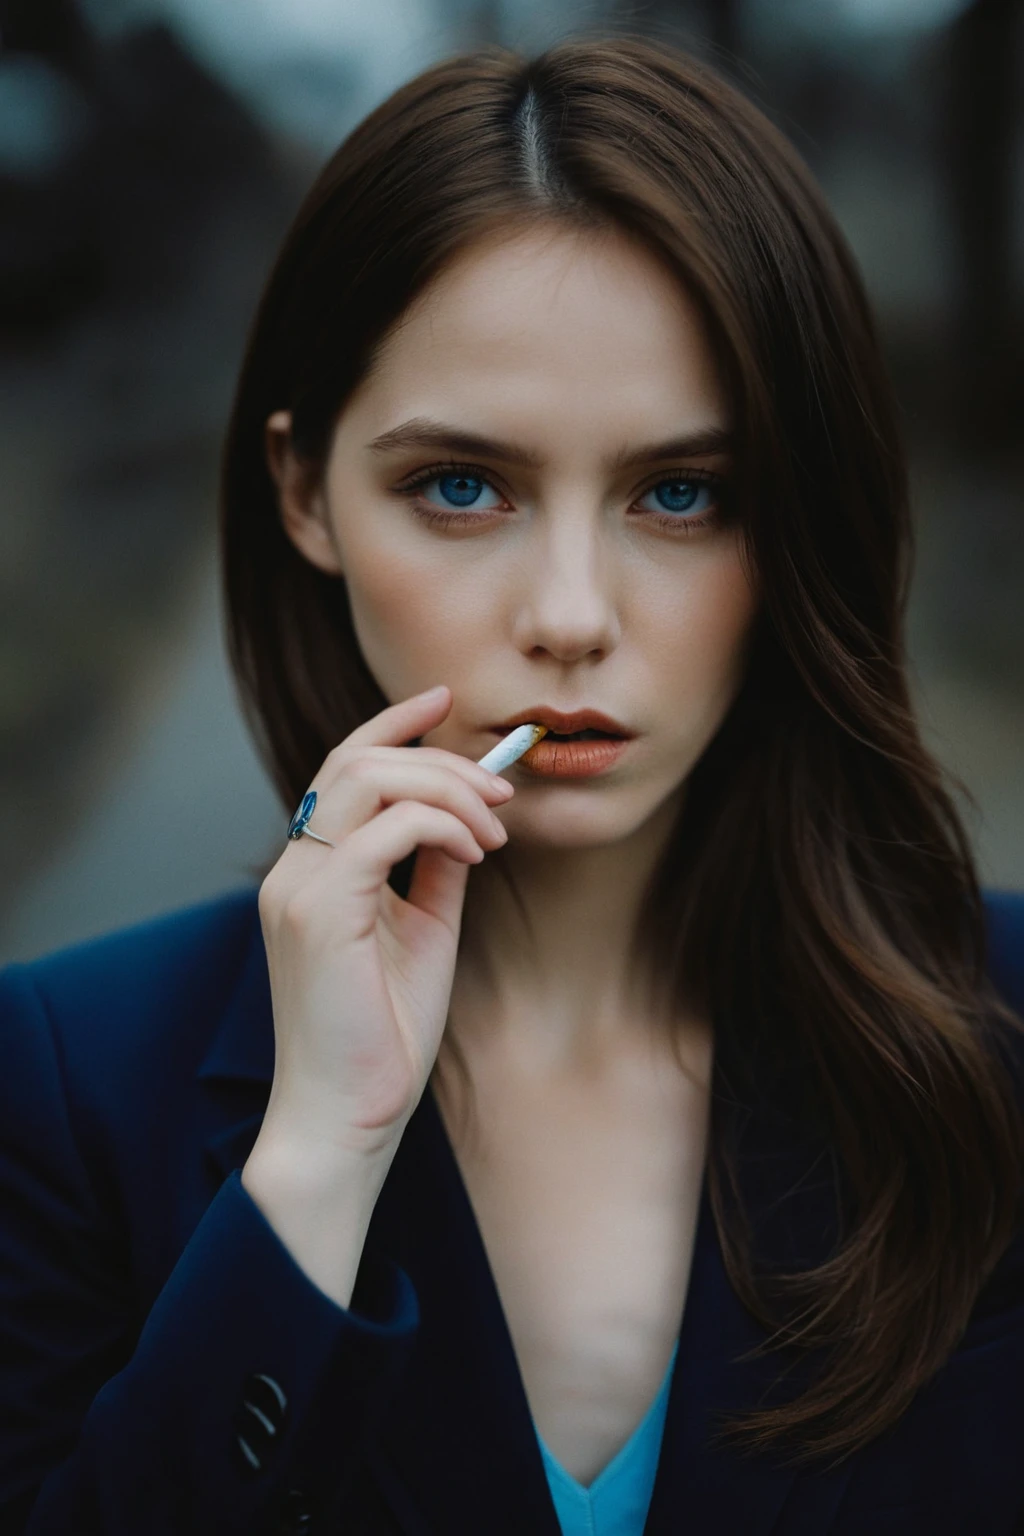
(438, 886)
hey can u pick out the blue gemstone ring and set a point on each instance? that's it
(299, 823)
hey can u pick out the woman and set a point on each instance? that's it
(632, 1141)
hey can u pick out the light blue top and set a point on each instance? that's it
(616, 1502)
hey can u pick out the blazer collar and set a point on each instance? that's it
(237, 1070)
(243, 1046)
(466, 1454)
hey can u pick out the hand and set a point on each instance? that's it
(360, 979)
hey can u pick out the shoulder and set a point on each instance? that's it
(1000, 1304)
(187, 956)
(1004, 912)
(138, 1004)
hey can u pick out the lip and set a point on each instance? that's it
(579, 720)
(553, 759)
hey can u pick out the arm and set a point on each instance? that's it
(119, 1425)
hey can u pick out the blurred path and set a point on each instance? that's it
(182, 808)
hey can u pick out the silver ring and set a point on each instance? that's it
(299, 823)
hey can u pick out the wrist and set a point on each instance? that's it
(314, 1169)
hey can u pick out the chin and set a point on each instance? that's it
(572, 821)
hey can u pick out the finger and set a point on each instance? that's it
(406, 779)
(387, 780)
(345, 886)
(399, 723)
(373, 850)
(338, 764)
(481, 778)
(438, 886)
(367, 784)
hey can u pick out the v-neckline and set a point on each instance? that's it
(626, 1452)
(703, 1237)
(474, 1397)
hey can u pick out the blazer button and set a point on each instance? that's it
(259, 1420)
(296, 1519)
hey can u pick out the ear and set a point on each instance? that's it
(300, 497)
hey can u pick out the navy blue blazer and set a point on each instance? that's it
(145, 1299)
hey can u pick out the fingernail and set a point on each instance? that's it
(433, 692)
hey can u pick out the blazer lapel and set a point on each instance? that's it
(723, 1488)
(238, 1068)
(459, 1436)
(787, 1178)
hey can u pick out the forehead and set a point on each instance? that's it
(554, 321)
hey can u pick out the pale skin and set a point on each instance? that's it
(570, 583)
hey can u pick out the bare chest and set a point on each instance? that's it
(587, 1204)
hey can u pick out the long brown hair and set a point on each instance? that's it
(819, 895)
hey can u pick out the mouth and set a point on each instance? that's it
(588, 735)
(582, 725)
(587, 753)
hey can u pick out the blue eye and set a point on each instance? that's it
(460, 490)
(680, 496)
(450, 494)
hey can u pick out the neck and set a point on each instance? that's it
(547, 974)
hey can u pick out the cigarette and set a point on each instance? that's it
(511, 747)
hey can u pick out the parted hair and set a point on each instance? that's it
(818, 896)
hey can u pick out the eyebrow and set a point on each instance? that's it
(421, 432)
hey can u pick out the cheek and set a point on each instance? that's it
(412, 626)
(703, 622)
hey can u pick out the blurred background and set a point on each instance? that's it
(152, 153)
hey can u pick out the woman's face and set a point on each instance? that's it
(518, 498)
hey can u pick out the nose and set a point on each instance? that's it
(568, 606)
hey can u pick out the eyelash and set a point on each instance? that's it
(674, 523)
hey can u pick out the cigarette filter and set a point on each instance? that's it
(511, 747)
